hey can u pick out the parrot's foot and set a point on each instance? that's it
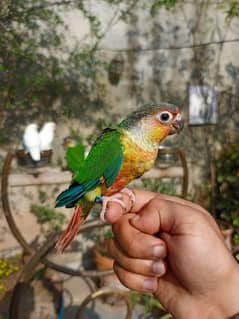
(131, 195)
(104, 200)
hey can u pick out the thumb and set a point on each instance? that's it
(158, 215)
(147, 220)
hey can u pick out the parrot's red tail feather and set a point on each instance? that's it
(71, 230)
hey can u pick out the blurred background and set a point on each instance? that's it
(84, 65)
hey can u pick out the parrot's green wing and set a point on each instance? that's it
(103, 163)
(104, 160)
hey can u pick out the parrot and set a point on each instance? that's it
(31, 141)
(75, 152)
(119, 155)
(70, 141)
(46, 136)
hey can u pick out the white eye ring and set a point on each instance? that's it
(164, 117)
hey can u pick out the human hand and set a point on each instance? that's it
(198, 279)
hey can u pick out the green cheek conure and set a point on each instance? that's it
(119, 155)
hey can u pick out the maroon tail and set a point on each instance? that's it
(71, 230)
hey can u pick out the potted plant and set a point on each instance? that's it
(226, 194)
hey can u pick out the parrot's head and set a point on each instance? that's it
(154, 122)
(50, 126)
(32, 127)
(70, 142)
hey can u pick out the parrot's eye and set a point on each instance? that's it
(164, 117)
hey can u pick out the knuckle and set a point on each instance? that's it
(126, 278)
(121, 274)
(118, 227)
(131, 248)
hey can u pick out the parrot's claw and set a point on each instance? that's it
(131, 195)
(117, 198)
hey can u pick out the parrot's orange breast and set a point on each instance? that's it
(136, 162)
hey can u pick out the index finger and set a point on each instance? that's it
(195, 207)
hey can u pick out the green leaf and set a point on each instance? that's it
(109, 234)
(220, 179)
(157, 4)
(236, 221)
(45, 214)
(75, 157)
(236, 238)
(2, 68)
(233, 10)
(231, 178)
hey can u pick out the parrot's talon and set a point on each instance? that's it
(117, 198)
(131, 195)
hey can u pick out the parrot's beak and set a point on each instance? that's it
(177, 125)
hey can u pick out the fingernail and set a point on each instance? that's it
(149, 284)
(159, 251)
(158, 267)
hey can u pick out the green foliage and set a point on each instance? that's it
(227, 185)
(7, 268)
(37, 66)
(158, 4)
(48, 216)
(108, 234)
(233, 10)
(42, 196)
(164, 186)
(150, 304)
(24, 30)
(236, 239)
(237, 256)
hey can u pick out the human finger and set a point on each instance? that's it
(195, 208)
(144, 267)
(135, 243)
(181, 201)
(135, 281)
(161, 215)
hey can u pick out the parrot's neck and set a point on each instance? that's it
(142, 138)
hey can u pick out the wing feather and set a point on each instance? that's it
(104, 160)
